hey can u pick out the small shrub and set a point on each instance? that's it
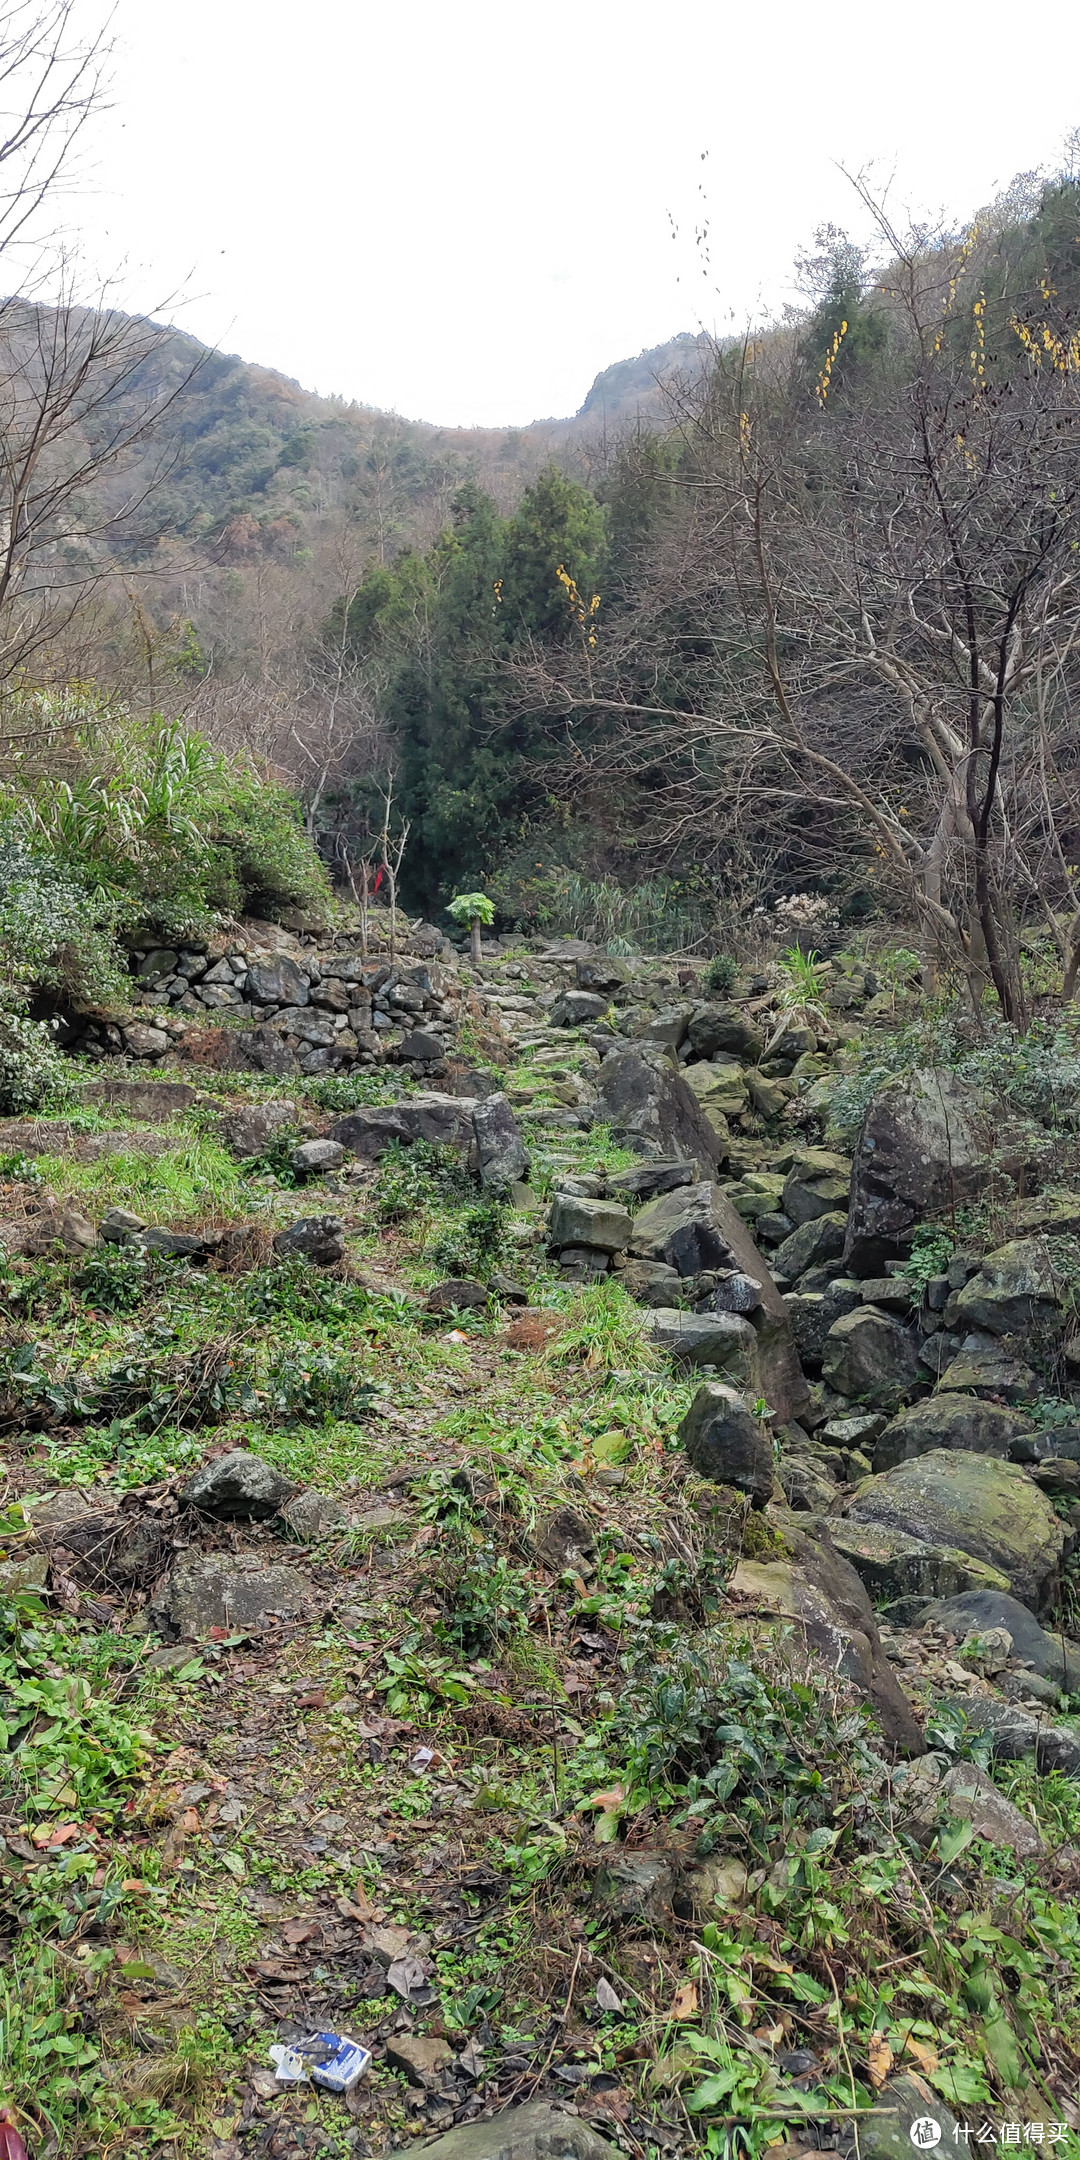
(721, 975)
(484, 1604)
(116, 1278)
(411, 1178)
(293, 1291)
(33, 1074)
(314, 1387)
(475, 1241)
(357, 1090)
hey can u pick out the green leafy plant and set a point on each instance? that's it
(472, 911)
(720, 976)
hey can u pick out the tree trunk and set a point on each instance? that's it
(475, 953)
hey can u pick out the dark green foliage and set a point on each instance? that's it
(475, 1241)
(485, 1602)
(470, 761)
(721, 975)
(116, 1278)
(308, 1386)
(420, 1176)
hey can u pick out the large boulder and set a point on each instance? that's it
(894, 1565)
(971, 1612)
(727, 1029)
(443, 1120)
(813, 1313)
(987, 1508)
(648, 1178)
(820, 1590)
(148, 1099)
(923, 1148)
(869, 1356)
(502, 1156)
(650, 1108)
(696, 1228)
(982, 1367)
(261, 1049)
(950, 1421)
(725, 1340)
(816, 1184)
(1015, 1291)
(726, 1444)
(895, 2128)
(600, 1223)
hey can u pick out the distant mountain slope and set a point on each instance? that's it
(632, 388)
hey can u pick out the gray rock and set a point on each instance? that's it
(1053, 1657)
(894, 1565)
(1015, 1290)
(719, 1087)
(982, 1367)
(668, 1026)
(599, 1223)
(142, 1099)
(696, 1228)
(501, 1152)
(313, 1157)
(725, 1028)
(261, 1049)
(443, 1120)
(923, 1147)
(973, 1797)
(650, 1108)
(1013, 1733)
(420, 1047)
(207, 1590)
(815, 1586)
(177, 1244)
(853, 1432)
(726, 1444)
(534, 2131)
(575, 1007)
(950, 1421)
(737, 1293)
(811, 1245)
(637, 1886)
(812, 1313)
(313, 1515)
(318, 1238)
(276, 982)
(651, 1282)
(870, 1357)
(145, 1042)
(647, 1179)
(248, 1132)
(816, 1184)
(889, 1292)
(721, 1339)
(463, 1296)
(885, 2134)
(987, 1508)
(119, 1226)
(157, 963)
(601, 973)
(238, 1487)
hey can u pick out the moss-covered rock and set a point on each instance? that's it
(983, 1507)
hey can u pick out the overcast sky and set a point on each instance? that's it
(461, 211)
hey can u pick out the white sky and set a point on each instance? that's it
(460, 211)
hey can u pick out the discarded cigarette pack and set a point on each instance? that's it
(326, 2058)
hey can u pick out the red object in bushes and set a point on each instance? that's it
(11, 2143)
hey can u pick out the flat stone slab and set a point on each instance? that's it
(216, 1590)
(536, 2131)
(147, 1099)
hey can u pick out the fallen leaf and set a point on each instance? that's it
(54, 1833)
(606, 1996)
(926, 2057)
(878, 2060)
(362, 1905)
(300, 1931)
(685, 2004)
(313, 1700)
(607, 1802)
(189, 1822)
